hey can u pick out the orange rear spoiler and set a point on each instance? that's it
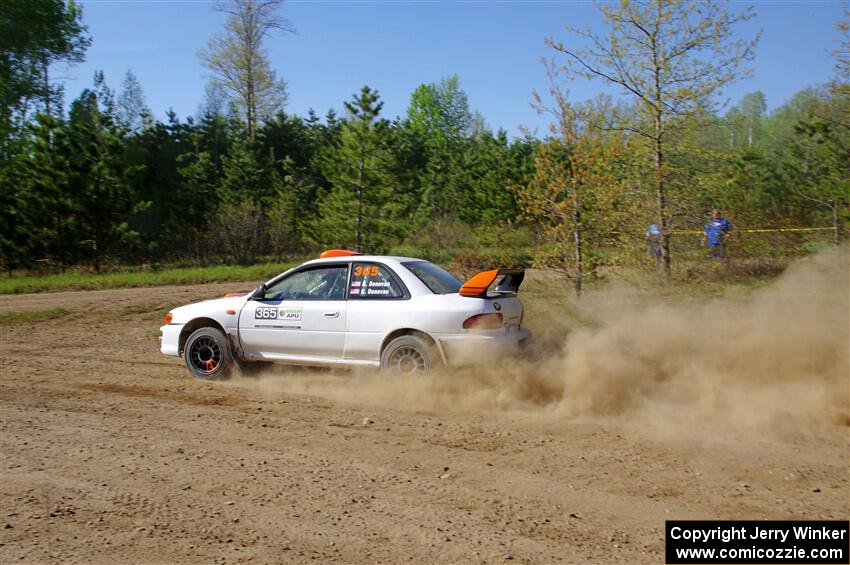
(478, 285)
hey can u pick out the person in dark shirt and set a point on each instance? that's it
(714, 234)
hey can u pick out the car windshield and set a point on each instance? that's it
(438, 280)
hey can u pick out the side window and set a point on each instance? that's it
(369, 281)
(326, 283)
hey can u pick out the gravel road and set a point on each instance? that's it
(112, 453)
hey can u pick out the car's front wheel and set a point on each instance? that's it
(409, 355)
(207, 354)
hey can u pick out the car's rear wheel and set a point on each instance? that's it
(207, 354)
(409, 355)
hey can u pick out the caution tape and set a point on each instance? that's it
(760, 231)
(788, 229)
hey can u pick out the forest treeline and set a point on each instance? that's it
(103, 182)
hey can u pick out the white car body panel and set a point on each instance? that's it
(317, 331)
(351, 331)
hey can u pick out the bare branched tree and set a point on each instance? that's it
(672, 57)
(239, 62)
(842, 53)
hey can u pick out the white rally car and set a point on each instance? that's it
(401, 314)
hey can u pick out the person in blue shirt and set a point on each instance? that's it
(714, 234)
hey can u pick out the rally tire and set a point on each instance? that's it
(208, 355)
(409, 355)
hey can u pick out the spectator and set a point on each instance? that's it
(714, 234)
(653, 242)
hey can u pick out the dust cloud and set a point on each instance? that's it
(776, 359)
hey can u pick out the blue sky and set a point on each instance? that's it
(494, 47)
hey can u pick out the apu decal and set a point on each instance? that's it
(290, 314)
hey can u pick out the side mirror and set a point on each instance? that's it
(259, 293)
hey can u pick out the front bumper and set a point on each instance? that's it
(169, 341)
(471, 348)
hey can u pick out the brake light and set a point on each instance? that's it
(168, 318)
(483, 322)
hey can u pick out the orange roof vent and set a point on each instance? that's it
(337, 253)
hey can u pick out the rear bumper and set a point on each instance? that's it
(471, 348)
(169, 341)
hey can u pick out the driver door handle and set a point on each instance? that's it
(331, 314)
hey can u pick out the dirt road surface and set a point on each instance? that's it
(111, 453)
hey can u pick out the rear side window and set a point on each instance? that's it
(438, 280)
(371, 281)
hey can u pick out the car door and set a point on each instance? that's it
(375, 305)
(302, 315)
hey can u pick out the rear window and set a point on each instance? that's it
(438, 280)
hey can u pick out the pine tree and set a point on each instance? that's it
(362, 208)
(34, 36)
(35, 203)
(132, 112)
(439, 114)
(101, 196)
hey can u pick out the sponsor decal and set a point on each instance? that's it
(290, 314)
(272, 313)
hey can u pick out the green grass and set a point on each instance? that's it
(13, 318)
(131, 279)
